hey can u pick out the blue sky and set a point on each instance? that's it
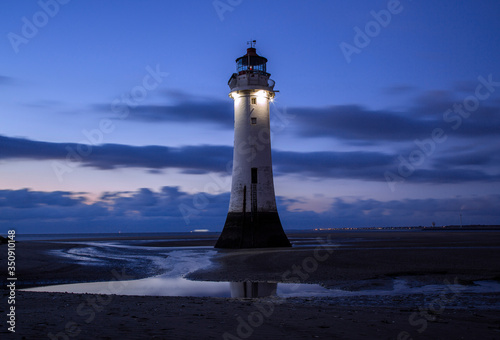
(115, 115)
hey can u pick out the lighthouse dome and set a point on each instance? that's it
(251, 63)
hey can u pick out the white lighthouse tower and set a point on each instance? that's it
(252, 220)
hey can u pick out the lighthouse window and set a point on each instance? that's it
(254, 120)
(254, 100)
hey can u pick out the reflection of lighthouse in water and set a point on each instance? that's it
(248, 289)
(252, 220)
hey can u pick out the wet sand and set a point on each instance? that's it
(129, 317)
(358, 260)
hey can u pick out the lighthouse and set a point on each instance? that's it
(252, 220)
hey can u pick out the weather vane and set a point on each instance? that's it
(252, 43)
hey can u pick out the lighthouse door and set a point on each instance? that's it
(253, 192)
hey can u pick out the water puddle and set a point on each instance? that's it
(163, 286)
(175, 263)
(179, 286)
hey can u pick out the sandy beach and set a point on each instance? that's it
(352, 261)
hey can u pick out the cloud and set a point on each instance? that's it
(355, 124)
(11, 147)
(440, 176)
(329, 164)
(18, 207)
(432, 104)
(465, 86)
(171, 209)
(185, 108)
(359, 212)
(215, 112)
(203, 159)
(25, 198)
(483, 155)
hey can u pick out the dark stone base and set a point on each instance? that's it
(264, 230)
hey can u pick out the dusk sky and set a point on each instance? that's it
(115, 114)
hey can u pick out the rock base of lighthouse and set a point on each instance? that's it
(258, 230)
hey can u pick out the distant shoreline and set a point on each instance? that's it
(213, 234)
